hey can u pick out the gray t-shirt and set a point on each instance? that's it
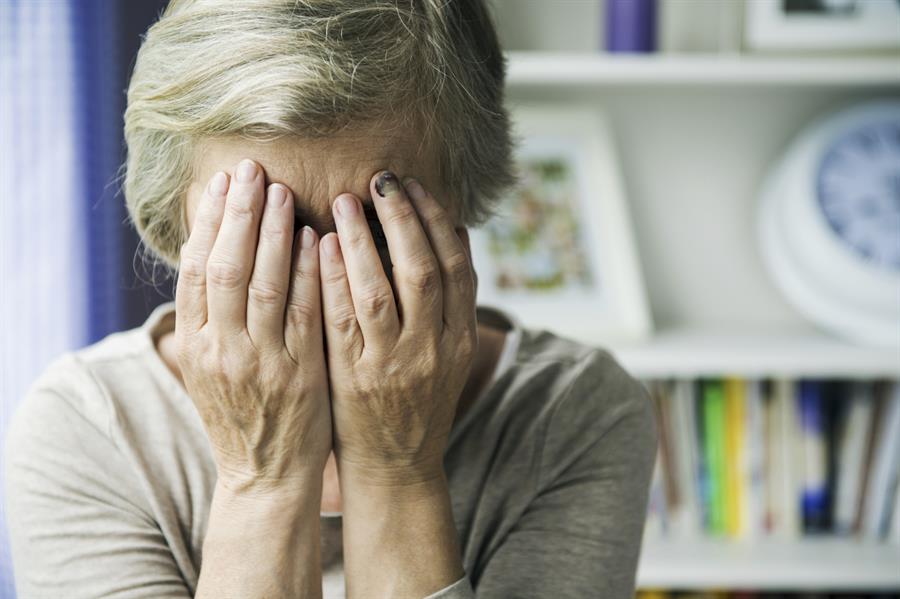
(110, 475)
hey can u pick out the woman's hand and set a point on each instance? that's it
(248, 335)
(397, 366)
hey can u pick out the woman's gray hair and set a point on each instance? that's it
(264, 69)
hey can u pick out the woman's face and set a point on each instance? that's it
(317, 171)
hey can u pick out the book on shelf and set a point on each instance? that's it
(744, 459)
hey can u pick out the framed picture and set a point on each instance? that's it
(559, 254)
(822, 24)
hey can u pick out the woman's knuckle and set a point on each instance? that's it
(273, 235)
(240, 209)
(335, 277)
(226, 275)
(457, 267)
(264, 294)
(355, 239)
(375, 300)
(433, 218)
(192, 271)
(401, 215)
(301, 311)
(343, 320)
(424, 279)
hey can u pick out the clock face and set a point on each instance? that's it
(858, 191)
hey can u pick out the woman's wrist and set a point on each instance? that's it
(242, 486)
(263, 542)
(399, 539)
(401, 479)
(268, 497)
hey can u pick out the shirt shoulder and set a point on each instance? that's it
(569, 395)
(564, 371)
(99, 389)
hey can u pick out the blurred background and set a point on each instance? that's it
(739, 165)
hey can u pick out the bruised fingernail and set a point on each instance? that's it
(414, 188)
(386, 183)
(307, 237)
(218, 185)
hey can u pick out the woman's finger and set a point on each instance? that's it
(457, 280)
(345, 340)
(370, 290)
(268, 287)
(303, 316)
(231, 262)
(190, 292)
(416, 274)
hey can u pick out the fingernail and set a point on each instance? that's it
(330, 245)
(246, 171)
(307, 237)
(414, 189)
(218, 185)
(276, 196)
(386, 183)
(346, 206)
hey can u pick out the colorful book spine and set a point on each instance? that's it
(714, 449)
(685, 422)
(631, 25)
(851, 459)
(814, 498)
(753, 503)
(777, 458)
(885, 467)
(703, 488)
(735, 492)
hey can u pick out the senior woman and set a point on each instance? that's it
(308, 413)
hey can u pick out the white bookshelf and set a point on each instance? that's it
(593, 69)
(695, 136)
(690, 353)
(808, 564)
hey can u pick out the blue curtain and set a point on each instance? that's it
(98, 106)
(62, 242)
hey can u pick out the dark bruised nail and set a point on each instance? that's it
(386, 183)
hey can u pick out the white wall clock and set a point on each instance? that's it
(829, 224)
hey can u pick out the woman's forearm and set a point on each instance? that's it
(263, 544)
(399, 539)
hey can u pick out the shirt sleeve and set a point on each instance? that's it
(581, 535)
(461, 589)
(75, 529)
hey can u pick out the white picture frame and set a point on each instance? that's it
(560, 254)
(842, 25)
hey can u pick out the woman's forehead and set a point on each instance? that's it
(318, 170)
